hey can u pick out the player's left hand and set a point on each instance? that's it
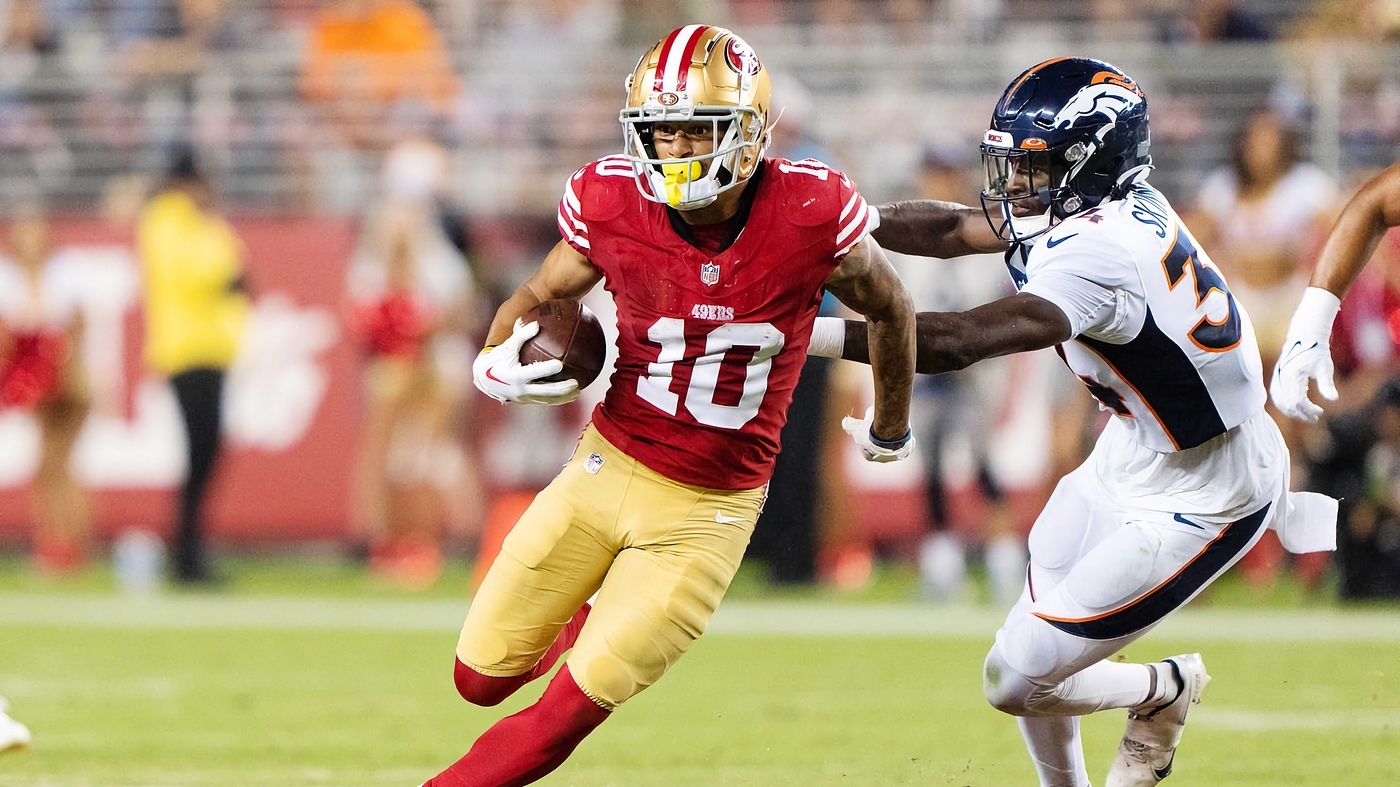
(1300, 361)
(873, 449)
(498, 373)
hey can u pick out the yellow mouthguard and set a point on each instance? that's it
(677, 174)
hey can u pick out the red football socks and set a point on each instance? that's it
(563, 642)
(522, 748)
(487, 690)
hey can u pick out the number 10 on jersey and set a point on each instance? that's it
(733, 351)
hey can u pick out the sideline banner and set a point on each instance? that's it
(291, 407)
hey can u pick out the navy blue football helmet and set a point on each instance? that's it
(1066, 135)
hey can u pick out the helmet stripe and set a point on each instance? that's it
(673, 64)
(1029, 73)
(656, 84)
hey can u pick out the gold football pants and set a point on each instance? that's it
(660, 555)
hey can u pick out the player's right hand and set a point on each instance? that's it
(1302, 360)
(870, 448)
(499, 375)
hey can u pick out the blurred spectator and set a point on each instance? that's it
(1354, 21)
(414, 304)
(41, 370)
(985, 442)
(1263, 220)
(375, 71)
(1199, 21)
(167, 64)
(196, 310)
(1359, 463)
(28, 36)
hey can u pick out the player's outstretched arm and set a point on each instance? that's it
(1374, 209)
(866, 282)
(930, 228)
(947, 341)
(1307, 353)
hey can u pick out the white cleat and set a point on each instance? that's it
(13, 735)
(1149, 744)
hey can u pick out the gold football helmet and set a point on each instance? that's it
(697, 73)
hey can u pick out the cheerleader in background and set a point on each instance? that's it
(41, 335)
(410, 295)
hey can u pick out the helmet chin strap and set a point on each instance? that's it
(1027, 227)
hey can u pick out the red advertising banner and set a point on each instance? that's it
(292, 403)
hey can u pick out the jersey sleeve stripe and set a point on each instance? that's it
(856, 226)
(850, 204)
(571, 224)
(575, 238)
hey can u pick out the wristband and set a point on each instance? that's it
(891, 445)
(1315, 314)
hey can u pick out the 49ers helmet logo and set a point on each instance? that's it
(741, 57)
(668, 99)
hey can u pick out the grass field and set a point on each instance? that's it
(310, 675)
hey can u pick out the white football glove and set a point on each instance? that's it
(499, 375)
(873, 450)
(1306, 355)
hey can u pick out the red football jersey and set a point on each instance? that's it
(710, 347)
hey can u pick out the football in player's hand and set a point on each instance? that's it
(570, 332)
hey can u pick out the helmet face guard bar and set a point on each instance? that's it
(1016, 196)
(690, 182)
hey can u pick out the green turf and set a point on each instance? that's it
(186, 693)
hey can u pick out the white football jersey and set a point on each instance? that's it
(1158, 338)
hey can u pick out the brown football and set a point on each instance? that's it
(570, 332)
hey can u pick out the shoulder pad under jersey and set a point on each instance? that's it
(811, 190)
(605, 188)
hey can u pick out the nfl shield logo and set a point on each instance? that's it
(709, 273)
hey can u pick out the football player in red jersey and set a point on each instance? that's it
(717, 258)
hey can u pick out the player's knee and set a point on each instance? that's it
(483, 690)
(633, 662)
(1011, 691)
(1005, 689)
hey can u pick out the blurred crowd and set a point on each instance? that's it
(446, 127)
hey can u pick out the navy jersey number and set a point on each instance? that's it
(1209, 335)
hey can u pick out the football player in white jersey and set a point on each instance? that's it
(1307, 353)
(1187, 476)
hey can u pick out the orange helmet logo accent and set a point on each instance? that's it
(1033, 143)
(1111, 78)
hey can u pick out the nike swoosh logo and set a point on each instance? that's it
(491, 376)
(1297, 347)
(1164, 771)
(1051, 243)
(726, 520)
(1183, 520)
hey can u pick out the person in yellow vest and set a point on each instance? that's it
(196, 308)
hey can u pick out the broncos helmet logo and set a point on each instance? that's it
(1108, 99)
